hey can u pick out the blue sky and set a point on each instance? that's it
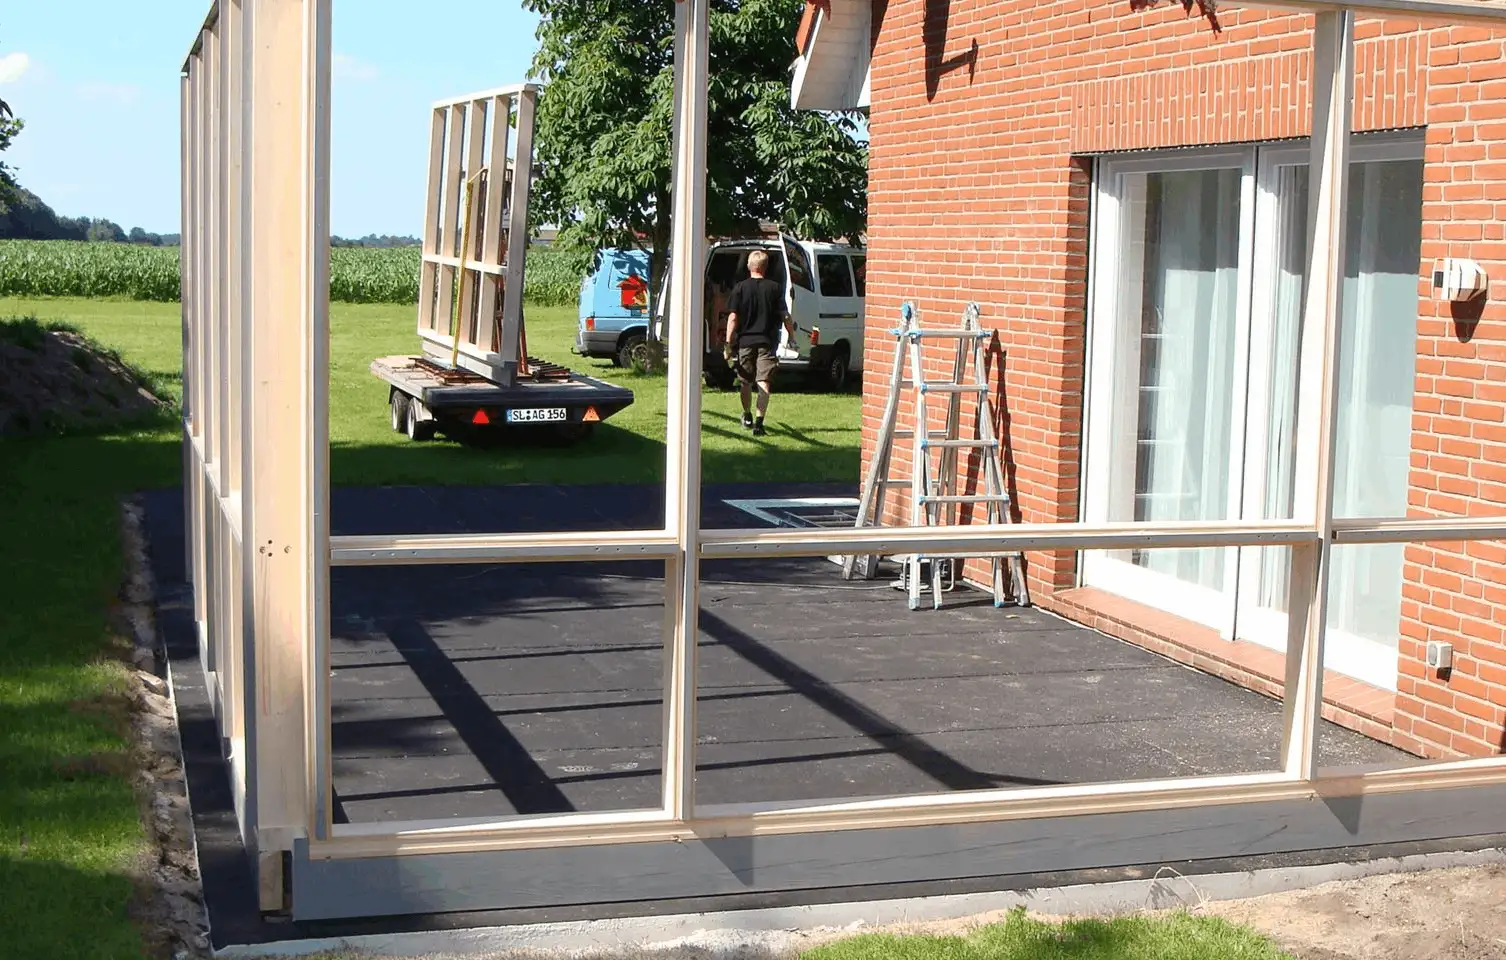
(97, 83)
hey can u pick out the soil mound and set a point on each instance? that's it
(55, 380)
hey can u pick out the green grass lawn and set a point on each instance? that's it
(812, 435)
(1173, 937)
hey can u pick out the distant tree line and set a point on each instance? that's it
(26, 217)
(372, 240)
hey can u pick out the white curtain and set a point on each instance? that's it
(1184, 395)
(1377, 366)
(1377, 374)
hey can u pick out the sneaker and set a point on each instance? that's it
(758, 429)
(747, 421)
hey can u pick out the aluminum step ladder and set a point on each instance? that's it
(935, 497)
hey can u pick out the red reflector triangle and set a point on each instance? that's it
(481, 418)
(590, 416)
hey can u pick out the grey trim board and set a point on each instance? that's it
(731, 866)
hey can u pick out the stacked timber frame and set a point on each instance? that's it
(256, 332)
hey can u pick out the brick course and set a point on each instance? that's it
(979, 191)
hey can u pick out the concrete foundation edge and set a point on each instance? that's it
(777, 930)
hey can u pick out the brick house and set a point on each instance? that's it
(1124, 194)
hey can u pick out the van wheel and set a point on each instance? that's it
(399, 403)
(838, 369)
(625, 349)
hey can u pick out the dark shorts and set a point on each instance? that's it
(756, 364)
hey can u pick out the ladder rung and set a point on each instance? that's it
(932, 386)
(960, 443)
(955, 334)
(910, 434)
(969, 498)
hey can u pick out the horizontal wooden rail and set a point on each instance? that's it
(371, 551)
(511, 90)
(968, 540)
(1418, 529)
(630, 826)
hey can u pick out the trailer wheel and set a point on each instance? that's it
(416, 429)
(399, 404)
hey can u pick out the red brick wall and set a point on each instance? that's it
(976, 195)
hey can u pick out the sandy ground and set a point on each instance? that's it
(1446, 914)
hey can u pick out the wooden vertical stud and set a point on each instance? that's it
(682, 489)
(429, 272)
(1322, 310)
(517, 230)
(493, 245)
(287, 391)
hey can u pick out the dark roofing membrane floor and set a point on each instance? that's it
(532, 688)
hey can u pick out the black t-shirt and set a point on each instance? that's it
(759, 305)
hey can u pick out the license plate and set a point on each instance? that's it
(536, 415)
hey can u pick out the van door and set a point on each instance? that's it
(841, 313)
(804, 303)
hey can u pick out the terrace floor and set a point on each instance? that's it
(494, 690)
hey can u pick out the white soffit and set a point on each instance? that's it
(833, 72)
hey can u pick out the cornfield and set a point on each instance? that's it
(68, 268)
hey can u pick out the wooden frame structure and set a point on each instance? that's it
(255, 195)
(476, 230)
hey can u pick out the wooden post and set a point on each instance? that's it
(517, 233)
(1322, 311)
(682, 488)
(285, 479)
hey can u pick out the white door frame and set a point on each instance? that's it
(1111, 341)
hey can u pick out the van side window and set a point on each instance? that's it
(860, 274)
(835, 280)
(800, 268)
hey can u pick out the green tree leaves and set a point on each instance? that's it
(604, 122)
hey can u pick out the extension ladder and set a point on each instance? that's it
(935, 498)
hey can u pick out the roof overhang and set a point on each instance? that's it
(836, 39)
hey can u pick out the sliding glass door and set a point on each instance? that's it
(1166, 429)
(1198, 267)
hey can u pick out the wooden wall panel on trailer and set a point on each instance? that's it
(462, 283)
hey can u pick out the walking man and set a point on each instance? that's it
(756, 311)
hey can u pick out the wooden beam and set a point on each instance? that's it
(682, 489)
(493, 250)
(419, 837)
(1322, 313)
(958, 540)
(516, 253)
(429, 273)
(500, 548)
(289, 375)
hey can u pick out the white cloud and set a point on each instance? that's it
(347, 67)
(120, 94)
(13, 66)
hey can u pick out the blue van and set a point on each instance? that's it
(614, 307)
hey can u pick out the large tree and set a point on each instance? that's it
(603, 128)
(9, 127)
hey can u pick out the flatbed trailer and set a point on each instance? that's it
(425, 398)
